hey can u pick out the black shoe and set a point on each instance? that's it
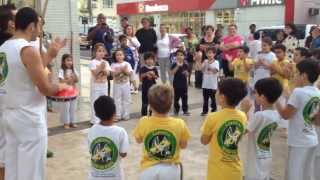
(49, 154)
(176, 113)
(203, 114)
(187, 113)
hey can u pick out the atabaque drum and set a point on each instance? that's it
(65, 95)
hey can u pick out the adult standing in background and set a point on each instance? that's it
(191, 42)
(208, 40)
(165, 44)
(102, 33)
(229, 47)
(309, 38)
(291, 42)
(249, 37)
(133, 42)
(124, 24)
(316, 38)
(147, 37)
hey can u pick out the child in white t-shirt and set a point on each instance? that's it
(263, 63)
(260, 130)
(68, 75)
(210, 69)
(108, 143)
(99, 77)
(121, 72)
(302, 106)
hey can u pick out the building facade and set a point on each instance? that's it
(177, 14)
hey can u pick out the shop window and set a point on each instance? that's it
(225, 17)
(107, 3)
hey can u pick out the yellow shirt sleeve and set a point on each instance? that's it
(208, 126)
(138, 130)
(185, 133)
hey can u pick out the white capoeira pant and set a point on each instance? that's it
(300, 162)
(26, 147)
(316, 166)
(2, 137)
(94, 95)
(122, 98)
(68, 111)
(162, 171)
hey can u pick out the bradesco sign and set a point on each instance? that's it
(254, 3)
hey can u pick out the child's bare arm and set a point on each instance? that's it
(183, 144)
(286, 112)
(205, 139)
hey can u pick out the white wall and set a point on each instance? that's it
(210, 17)
(58, 23)
(261, 16)
(301, 12)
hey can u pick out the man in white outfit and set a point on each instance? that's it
(25, 87)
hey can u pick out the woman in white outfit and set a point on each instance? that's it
(164, 44)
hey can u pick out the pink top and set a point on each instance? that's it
(233, 53)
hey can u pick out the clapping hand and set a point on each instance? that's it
(245, 105)
(56, 45)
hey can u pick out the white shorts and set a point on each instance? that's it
(161, 171)
(300, 162)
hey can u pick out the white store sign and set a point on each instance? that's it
(253, 3)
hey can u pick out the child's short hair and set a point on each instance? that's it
(270, 88)
(281, 47)
(233, 89)
(256, 35)
(122, 37)
(267, 40)
(212, 49)
(149, 55)
(160, 98)
(180, 51)
(245, 49)
(309, 67)
(104, 108)
(304, 52)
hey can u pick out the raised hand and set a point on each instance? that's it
(56, 45)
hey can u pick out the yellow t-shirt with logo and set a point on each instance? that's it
(225, 128)
(280, 65)
(161, 139)
(240, 71)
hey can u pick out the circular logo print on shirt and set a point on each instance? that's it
(311, 109)
(229, 135)
(160, 144)
(3, 68)
(104, 153)
(265, 135)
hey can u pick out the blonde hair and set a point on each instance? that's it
(160, 98)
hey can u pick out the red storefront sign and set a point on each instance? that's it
(163, 6)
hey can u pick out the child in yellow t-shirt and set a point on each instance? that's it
(162, 136)
(242, 65)
(222, 130)
(278, 67)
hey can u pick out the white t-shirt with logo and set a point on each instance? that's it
(210, 79)
(105, 145)
(99, 83)
(259, 155)
(261, 72)
(121, 78)
(301, 132)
